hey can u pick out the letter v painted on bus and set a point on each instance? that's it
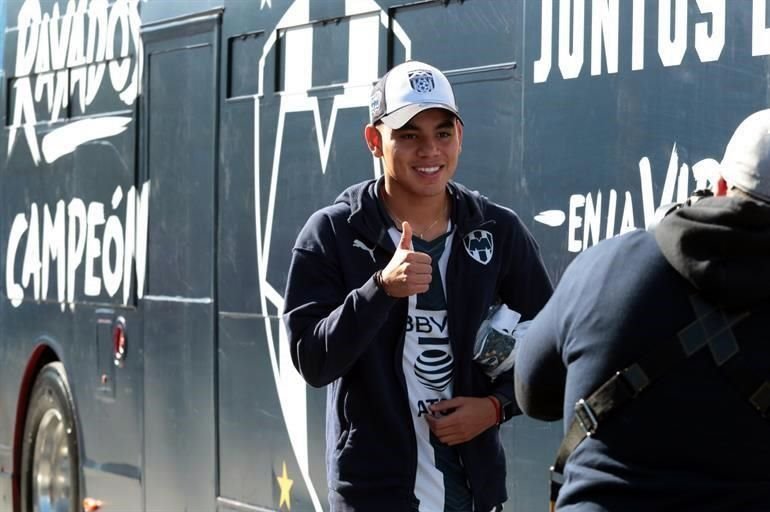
(676, 178)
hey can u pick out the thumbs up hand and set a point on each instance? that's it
(406, 237)
(408, 272)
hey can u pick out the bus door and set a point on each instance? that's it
(179, 118)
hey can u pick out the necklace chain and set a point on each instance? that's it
(400, 222)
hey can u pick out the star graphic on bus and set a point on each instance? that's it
(285, 483)
(266, 3)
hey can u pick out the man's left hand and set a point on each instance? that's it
(467, 417)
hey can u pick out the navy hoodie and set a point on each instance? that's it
(690, 441)
(347, 333)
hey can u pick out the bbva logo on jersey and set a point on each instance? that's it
(480, 245)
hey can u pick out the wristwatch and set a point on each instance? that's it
(507, 407)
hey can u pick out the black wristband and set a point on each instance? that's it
(506, 407)
(378, 280)
(380, 284)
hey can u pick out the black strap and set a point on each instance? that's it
(712, 328)
(621, 388)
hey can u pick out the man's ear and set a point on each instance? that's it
(721, 188)
(373, 140)
(459, 129)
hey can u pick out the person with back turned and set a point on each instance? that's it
(386, 291)
(654, 349)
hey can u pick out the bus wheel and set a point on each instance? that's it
(50, 466)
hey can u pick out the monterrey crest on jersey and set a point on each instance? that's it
(480, 245)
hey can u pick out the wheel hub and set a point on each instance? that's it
(52, 470)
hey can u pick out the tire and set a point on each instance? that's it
(50, 465)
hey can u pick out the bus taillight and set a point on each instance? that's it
(119, 342)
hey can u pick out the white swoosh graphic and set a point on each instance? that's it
(551, 218)
(63, 141)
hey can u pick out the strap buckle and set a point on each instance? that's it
(586, 417)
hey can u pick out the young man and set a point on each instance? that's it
(386, 291)
(657, 343)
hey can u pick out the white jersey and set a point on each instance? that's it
(428, 364)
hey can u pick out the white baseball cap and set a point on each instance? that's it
(408, 89)
(746, 164)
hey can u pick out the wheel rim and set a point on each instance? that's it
(52, 471)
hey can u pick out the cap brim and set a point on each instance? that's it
(397, 119)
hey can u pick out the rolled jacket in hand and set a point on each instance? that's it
(496, 339)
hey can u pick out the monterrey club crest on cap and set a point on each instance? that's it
(408, 89)
(421, 80)
(480, 245)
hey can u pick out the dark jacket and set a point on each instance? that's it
(347, 333)
(689, 442)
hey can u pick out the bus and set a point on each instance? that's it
(158, 158)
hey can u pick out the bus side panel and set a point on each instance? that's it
(179, 115)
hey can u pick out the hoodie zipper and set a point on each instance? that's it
(398, 358)
(457, 244)
(399, 365)
(451, 271)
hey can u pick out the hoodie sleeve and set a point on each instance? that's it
(540, 374)
(329, 326)
(525, 288)
(540, 369)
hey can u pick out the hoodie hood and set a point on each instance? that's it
(721, 245)
(362, 198)
(365, 216)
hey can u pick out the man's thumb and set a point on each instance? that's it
(406, 236)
